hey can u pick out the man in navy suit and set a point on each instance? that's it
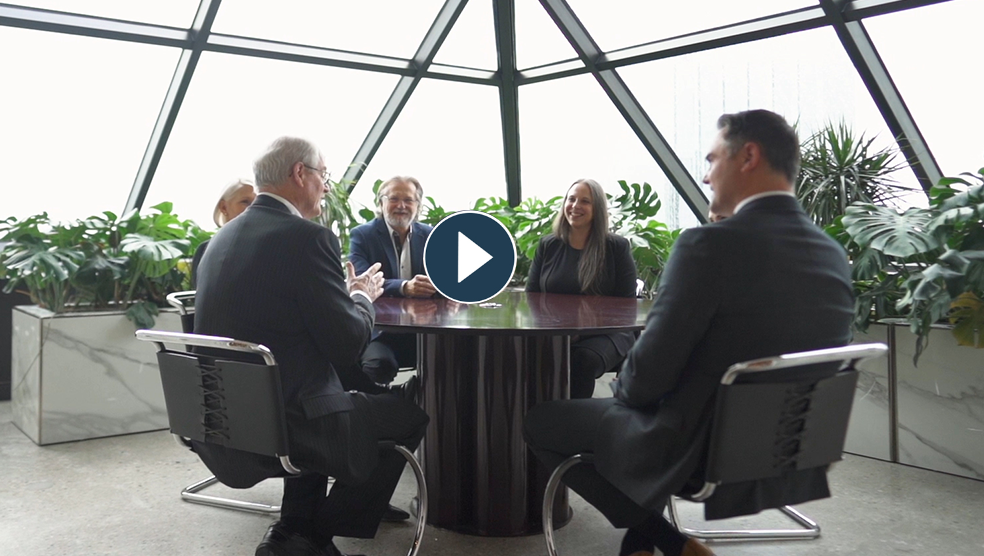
(273, 277)
(396, 241)
(762, 282)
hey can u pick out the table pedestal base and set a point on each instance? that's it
(481, 477)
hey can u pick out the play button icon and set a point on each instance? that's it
(470, 257)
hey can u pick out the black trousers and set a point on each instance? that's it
(591, 357)
(387, 353)
(559, 429)
(355, 510)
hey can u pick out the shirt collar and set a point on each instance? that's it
(757, 196)
(392, 231)
(293, 210)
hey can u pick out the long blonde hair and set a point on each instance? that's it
(591, 268)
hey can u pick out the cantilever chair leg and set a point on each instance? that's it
(418, 536)
(548, 498)
(190, 494)
(810, 529)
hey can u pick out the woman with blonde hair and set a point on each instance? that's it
(235, 198)
(583, 257)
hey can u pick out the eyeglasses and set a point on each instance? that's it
(325, 174)
(410, 202)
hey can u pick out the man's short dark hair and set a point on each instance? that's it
(769, 130)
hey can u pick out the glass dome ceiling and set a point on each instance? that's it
(113, 104)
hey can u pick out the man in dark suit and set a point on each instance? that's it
(396, 241)
(762, 282)
(273, 277)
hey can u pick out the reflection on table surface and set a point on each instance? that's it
(514, 310)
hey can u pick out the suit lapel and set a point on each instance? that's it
(417, 241)
(383, 232)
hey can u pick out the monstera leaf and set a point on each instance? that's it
(967, 316)
(886, 230)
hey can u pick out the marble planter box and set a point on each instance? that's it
(869, 431)
(940, 404)
(83, 375)
(930, 415)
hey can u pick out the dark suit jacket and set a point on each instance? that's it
(371, 243)
(764, 282)
(276, 279)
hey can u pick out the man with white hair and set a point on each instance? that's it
(396, 241)
(273, 277)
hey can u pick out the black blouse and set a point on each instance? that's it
(555, 268)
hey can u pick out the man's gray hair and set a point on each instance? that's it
(273, 167)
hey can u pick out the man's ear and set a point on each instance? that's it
(297, 173)
(750, 155)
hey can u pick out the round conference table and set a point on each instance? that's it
(482, 366)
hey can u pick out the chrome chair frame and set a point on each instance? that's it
(191, 492)
(810, 529)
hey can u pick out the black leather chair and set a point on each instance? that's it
(223, 395)
(773, 416)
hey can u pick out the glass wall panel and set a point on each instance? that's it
(571, 130)
(538, 40)
(935, 57)
(685, 95)
(620, 23)
(471, 42)
(173, 13)
(75, 117)
(237, 106)
(449, 137)
(387, 27)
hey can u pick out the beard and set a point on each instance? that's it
(399, 221)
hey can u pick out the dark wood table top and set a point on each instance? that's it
(513, 311)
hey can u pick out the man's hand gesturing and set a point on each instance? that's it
(369, 282)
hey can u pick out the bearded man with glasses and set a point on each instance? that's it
(396, 241)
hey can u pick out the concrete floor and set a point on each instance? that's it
(119, 496)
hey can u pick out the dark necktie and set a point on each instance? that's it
(398, 244)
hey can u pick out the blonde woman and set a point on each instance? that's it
(582, 257)
(235, 198)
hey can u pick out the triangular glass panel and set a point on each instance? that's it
(448, 136)
(946, 103)
(384, 27)
(229, 117)
(471, 42)
(173, 13)
(685, 95)
(615, 24)
(75, 115)
(538, 39)
(571, 130)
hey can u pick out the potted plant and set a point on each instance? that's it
(929, 262)
(76, 370)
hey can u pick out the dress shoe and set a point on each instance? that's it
(409, 390)
(394, 515)
(279, 540)
(693, 547)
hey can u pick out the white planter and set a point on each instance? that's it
(930, 416)
(83, 375)
(869, 431)
(941, 404)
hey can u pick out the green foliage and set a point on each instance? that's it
(839, 168)
(130, 262)
(933, 257)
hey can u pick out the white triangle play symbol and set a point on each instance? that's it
(471, 257)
